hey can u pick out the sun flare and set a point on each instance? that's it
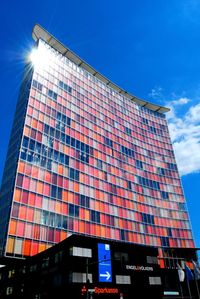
(40, 57)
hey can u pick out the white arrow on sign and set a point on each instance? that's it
(107, 275)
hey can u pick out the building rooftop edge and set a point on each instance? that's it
(40, 33)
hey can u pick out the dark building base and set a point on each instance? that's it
(84, 268)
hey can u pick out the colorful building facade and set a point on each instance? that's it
(86, 157)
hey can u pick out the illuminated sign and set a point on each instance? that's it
(98, 291)
(171, 293)
(106, 290)
(104, 261)
(139, 268)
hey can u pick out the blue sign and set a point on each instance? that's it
(104, 261)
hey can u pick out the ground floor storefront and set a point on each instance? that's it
(82, 267)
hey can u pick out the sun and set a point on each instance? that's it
(40, 57)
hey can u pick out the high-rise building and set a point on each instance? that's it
(87, 157)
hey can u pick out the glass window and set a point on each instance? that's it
(164, 195)
(73, 210)
(138, 164)
(18, 247)
(81, 277)
(15, 210)
(123, 279)
(81, 251)
(19, 180)
(95, 216)
(52, 94)
(84, 201)
(155, 280)
(74, 174)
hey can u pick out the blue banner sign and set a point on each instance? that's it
(104, 261)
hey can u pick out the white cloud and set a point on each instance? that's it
(184, 127)
(156, 92)
(194, 114)
(181, 101)
(173, 105)
(185, 135)
(187, 153)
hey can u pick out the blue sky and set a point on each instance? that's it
(150, 48)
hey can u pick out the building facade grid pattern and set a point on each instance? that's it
(92, 162)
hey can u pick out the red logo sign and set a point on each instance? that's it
(98, 291)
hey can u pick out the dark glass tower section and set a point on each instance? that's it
(9, 174)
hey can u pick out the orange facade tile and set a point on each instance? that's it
(10, 245)
(12, 227)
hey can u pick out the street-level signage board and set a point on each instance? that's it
(139, 268)
(104, 262)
